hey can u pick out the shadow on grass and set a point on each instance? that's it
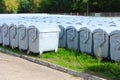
(111, 70)
(16, 50)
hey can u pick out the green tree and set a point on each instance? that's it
(36, 5)
(25, 6)
(2, 7)
(59, 6)
(11, 5)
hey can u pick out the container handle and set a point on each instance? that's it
(12, 25)
(20, 26)
(103, 40)
(6, 30)
(118, 45)
(24, 34)
(62, 32)
(87, 37)
(74, 34)
(35, 35)
(33, 27)
(15, 33)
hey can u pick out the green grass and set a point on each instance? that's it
(80, 62)
(84, 63)
(16, 50)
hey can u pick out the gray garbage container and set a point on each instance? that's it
(85, 40)
(62, 35)
(100, 43)
(115, 45)
(5, 35)
(108, 29)
(43, 37)
(23, 35)
(72, 37)
(13, 32)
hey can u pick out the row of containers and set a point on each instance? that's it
(92, 35)
(101, 40)
(30, 36)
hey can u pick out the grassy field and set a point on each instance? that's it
(80, 62)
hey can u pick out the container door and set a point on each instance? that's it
(100, 42)
(72, 39)
(23, 42)
(22, 33)
(85, 42)
(13, 36)
(5, 30)
(5, 33)
(62, 40)
(33, 40)
(115, 47)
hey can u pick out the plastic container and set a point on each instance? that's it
(72, 37)
(23, 35)
(13, 32)
(85, 40)
(101, 40)
(43, 37)
(62, 35)
(115, 45)
(5, 35)
(100, 43)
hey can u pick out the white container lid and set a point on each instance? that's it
(42, 27)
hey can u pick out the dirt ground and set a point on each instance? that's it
(14, 68)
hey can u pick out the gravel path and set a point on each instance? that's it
(14, 68)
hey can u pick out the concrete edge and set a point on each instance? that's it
(84, 75)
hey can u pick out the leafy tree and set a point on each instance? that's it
(59, 6)
(11, 5)
(25, 6)
(2, 7)
(36, 5)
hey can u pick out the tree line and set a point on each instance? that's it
(58, 6)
